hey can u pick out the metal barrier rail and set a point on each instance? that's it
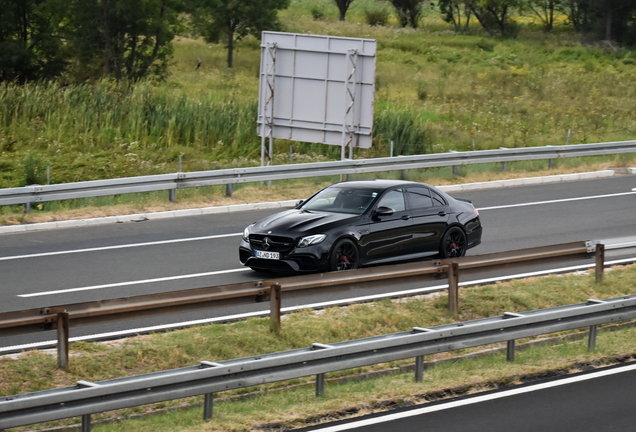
(207, 378)
(174, 181)
(63, 317)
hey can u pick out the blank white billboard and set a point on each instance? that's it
(322, 86)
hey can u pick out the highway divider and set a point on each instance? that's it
(207, 378)
(171, 182)
(63, 317)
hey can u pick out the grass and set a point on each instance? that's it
(33, 371)
(435, 91)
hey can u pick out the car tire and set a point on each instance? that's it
(344, 256)
(453, 244)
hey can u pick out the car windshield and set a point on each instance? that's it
(341, 200)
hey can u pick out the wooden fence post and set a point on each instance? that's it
(274, 308)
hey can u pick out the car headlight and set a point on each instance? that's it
(311, 240)
(246, 233)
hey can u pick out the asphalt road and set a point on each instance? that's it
(589, 402)
(47, 268)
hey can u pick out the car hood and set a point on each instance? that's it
(292, 222)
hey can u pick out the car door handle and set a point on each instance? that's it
(405, 217)
(442, 213)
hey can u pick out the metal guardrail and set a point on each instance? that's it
(207, 378)
(172, 182)
(63, 317)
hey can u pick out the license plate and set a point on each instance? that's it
(267, 255)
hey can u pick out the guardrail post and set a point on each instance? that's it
(600, 262)
(172, 195)
(208, 405)
(27, 207)
(453, 290)
(549, 163)
(503, 166)
(274, 308)
(591, 340)
(419, 369)
(228, 190)
(86, 423)
(62, 340)
(454, 166)
(320, 385)
(510, 351)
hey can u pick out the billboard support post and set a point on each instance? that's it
(268, 106)
(348, 124)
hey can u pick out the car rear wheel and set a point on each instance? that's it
(345, 256)
(453, 243)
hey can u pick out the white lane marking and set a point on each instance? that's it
(556, 201)
(344, 302)
(103, 248)
(137, 282)
(238, 234)
(477, 399)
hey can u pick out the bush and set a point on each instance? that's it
(34, 170)
(422, 93)
(403, 128)
(317, 13)
(376, 17)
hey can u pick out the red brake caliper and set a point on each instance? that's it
(345, 259)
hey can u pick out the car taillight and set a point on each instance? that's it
(476, 212)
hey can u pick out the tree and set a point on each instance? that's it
(579, 13)
(456, 12)
(232, 20)
(343, 6)
(609, 20)
(544, 10)
(127, 39)
(616, 15)
(493, 15)
(30, 44)
(409, 11)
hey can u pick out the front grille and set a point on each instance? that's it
(276, 243)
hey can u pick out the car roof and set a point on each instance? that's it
(377, 184)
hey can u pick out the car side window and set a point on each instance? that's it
(437, 199)
(393, 199)
(419, 198)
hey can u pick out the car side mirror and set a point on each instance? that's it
(299, 203)
(383, 211)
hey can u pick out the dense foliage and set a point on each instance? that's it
(437, 89)
(131, 39)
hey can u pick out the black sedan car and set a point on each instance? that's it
(357, 223)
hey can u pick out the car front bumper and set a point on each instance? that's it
(307, 259)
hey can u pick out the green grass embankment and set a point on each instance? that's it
(33, 371)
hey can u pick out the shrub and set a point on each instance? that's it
(317, 13)
(34, 169)
(422, 93)
(403, 128)
(376, 17)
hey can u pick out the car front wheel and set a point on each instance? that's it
(344, 257)
(453, 243)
